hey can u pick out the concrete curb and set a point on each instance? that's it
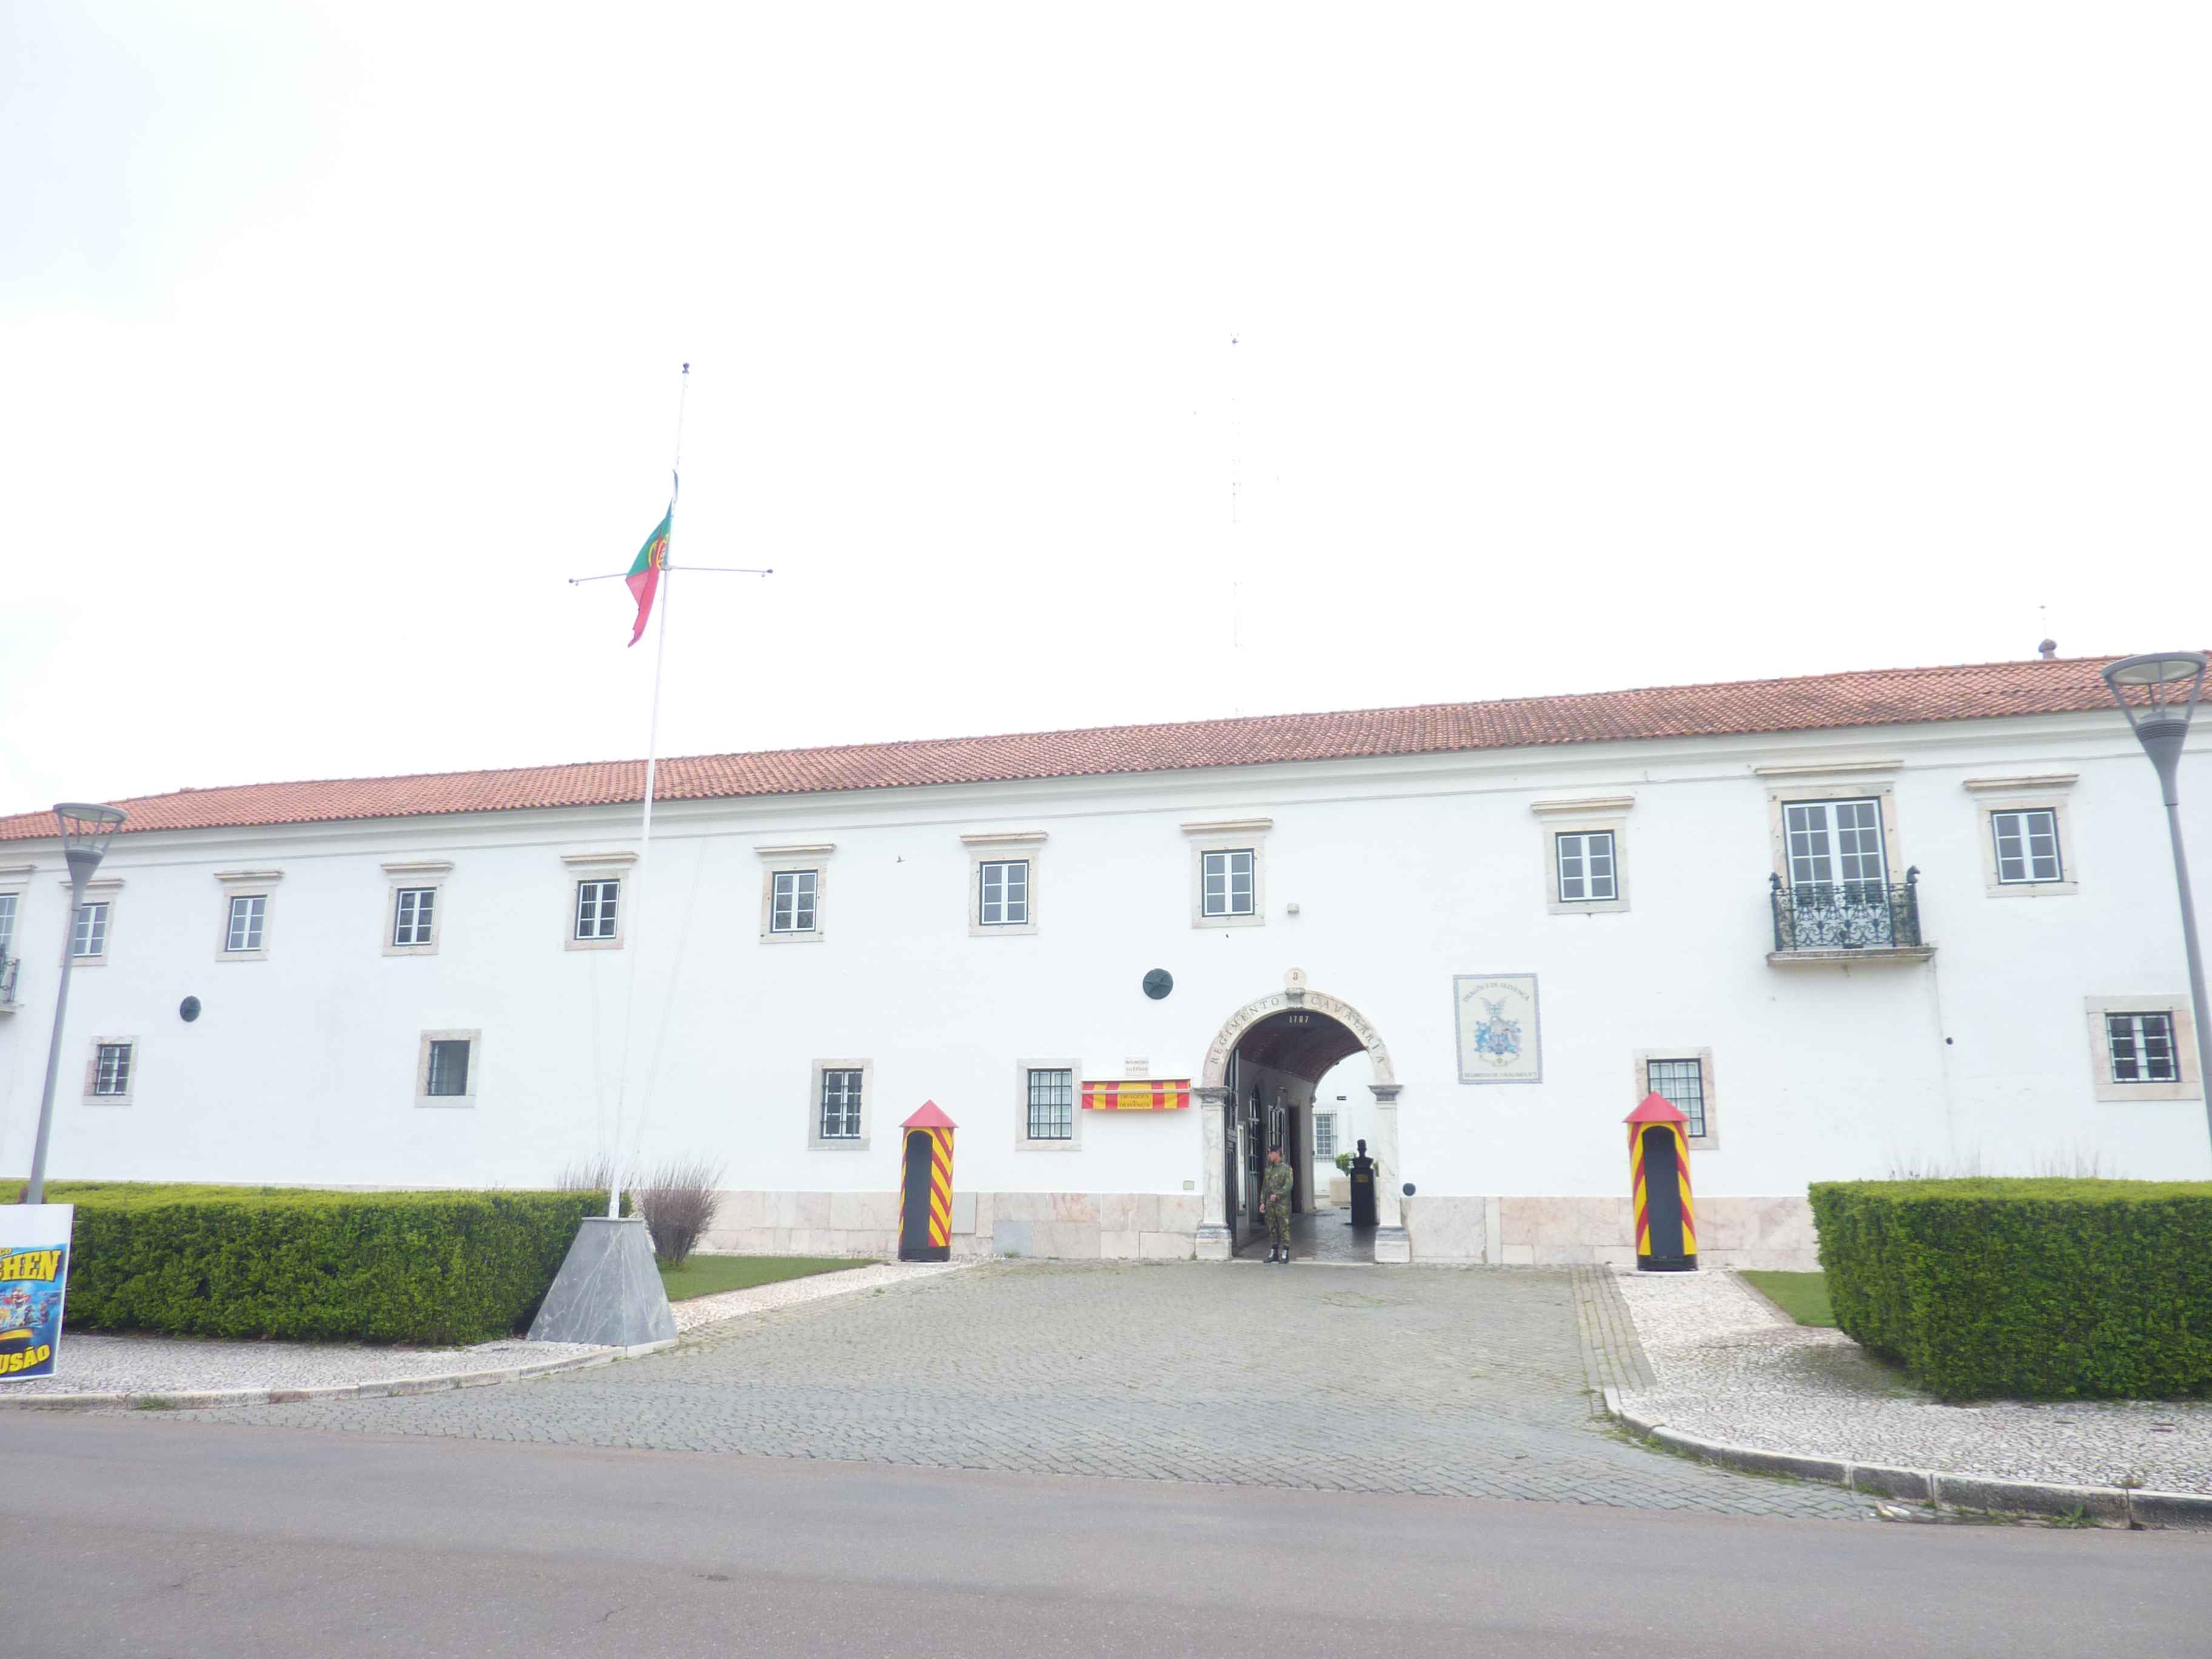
(2118, 1505)
(186, 1399)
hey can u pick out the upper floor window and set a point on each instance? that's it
(249, 912)
(1228, 882)
(597, 910)
(88, 939)
(2141, 1046)
(1834, 843)
(1002, 892)
(414, 916)
(2027, 846)
(793, 901)
(1586, 867)
(8, 901)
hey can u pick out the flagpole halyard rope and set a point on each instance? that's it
(645, 829)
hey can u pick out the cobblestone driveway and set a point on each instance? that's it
(1467, 1382)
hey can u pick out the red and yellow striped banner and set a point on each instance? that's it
(1137, 1095)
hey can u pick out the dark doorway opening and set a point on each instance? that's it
(1273, 1075)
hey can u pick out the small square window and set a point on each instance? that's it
(1682, 1085)
(89, 936)
(596, 909)
(111, 1069)
(2027, 846)
(840, 1103)
(449, 1067)
(1003, 893)
(1227, 884)
(2141, 1047)
(792, 906)
(1586, 872)
(1052, 1104)
(414, 911)
(248, 912)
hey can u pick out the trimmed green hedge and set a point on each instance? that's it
(313, 1266)
(2036, 1289)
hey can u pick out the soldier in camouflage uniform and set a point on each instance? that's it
(1275, 1206)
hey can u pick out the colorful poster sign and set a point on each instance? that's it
(1136, 1095)
(1499, 1038)
(34, 1250)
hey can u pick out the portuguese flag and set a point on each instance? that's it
(644, 577)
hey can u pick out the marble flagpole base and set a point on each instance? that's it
(608, 1291)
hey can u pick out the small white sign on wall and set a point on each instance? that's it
(1499, 1038)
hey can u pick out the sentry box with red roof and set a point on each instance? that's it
(1659, 1172)
(926, 1186)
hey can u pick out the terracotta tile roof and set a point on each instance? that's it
(1868, 697)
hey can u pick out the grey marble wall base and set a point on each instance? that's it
(608, 1291)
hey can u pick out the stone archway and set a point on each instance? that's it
(1216, 1240)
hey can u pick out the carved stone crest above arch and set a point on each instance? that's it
(1296, 997)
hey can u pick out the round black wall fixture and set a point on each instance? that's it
(1409, 1189)
(1159, 983)
(189, 1010)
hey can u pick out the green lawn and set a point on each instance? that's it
(706, 1275)
(1803, 1297)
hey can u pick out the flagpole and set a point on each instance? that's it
(667, 593)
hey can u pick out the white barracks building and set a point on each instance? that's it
(1852, 925)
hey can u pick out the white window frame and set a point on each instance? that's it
(1606, 815)
(1315, 1118)
(581, 867)
(405, 877)
(1710, 1140)
(816, 1141)
(792, 860)
(2187, 1085)
(237, 885)
(2045, 794)
(1021, 1070)
(95, 892)
(1229, 836)
(15, 883)
(92, 1096)
(1797, 786)
(1010, 847)
(468, 1096)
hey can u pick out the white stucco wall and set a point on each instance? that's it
(1404, 871)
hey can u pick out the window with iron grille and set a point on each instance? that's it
(2141, 1047)
(595, 909)
(1586, 866)
(448, 1071)
(1325, 1135)
(840, 1104)
(89, 936)
(412, 911)
(791, 910)
(2027, 846)
(1226, 884)
(111, 1068)
(1052, 1105)
(248, 913)
(1681, 1082)
(1004, 891)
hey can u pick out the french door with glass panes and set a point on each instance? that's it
(1835, 843)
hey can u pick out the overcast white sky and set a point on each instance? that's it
(1581, 346)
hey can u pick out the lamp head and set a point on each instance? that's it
(2158, 692)
(85, 829)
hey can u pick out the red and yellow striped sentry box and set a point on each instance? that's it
(1137, 1095)
(1665, 1215)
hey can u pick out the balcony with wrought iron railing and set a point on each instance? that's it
(1847, 921)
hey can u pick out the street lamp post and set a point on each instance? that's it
(85, 830)
(2170, 683)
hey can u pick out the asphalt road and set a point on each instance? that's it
(142, 1535)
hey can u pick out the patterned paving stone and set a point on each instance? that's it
(1466, 1381)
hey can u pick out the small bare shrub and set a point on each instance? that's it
(678, 1198)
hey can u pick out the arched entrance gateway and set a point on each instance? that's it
(1248, 1098)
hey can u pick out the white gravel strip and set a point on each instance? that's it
(1734, 1368)
(733, 1304)
(91, 1362)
